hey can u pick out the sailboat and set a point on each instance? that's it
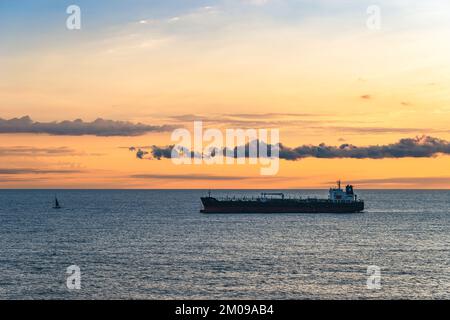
(56, 206)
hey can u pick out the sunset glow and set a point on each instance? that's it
(313, 70)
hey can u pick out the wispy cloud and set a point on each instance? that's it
(376, 130)
(186, 177)
(205, 177)
(313, 122)
(256, 120)
(14, 179)
(247, 116)
(419, 181)
(271, 115)
(19, 171)
(27, 151)
(99, 127)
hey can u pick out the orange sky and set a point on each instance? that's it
(328, 78)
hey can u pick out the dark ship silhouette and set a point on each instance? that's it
(339, 201)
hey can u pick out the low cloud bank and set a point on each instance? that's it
(418, 147)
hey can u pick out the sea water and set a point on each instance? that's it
(154, 244)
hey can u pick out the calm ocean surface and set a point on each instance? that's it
(156, 245)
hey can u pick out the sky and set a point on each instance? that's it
(314, 70)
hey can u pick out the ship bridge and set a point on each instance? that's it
(337, 194)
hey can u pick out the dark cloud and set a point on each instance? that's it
(366, 97)
(99, 127)
(140, 154)
(419, 147)
(162, 152)
(165, 152)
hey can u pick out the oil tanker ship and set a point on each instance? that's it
(339, 201)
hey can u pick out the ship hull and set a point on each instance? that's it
(212, 205)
